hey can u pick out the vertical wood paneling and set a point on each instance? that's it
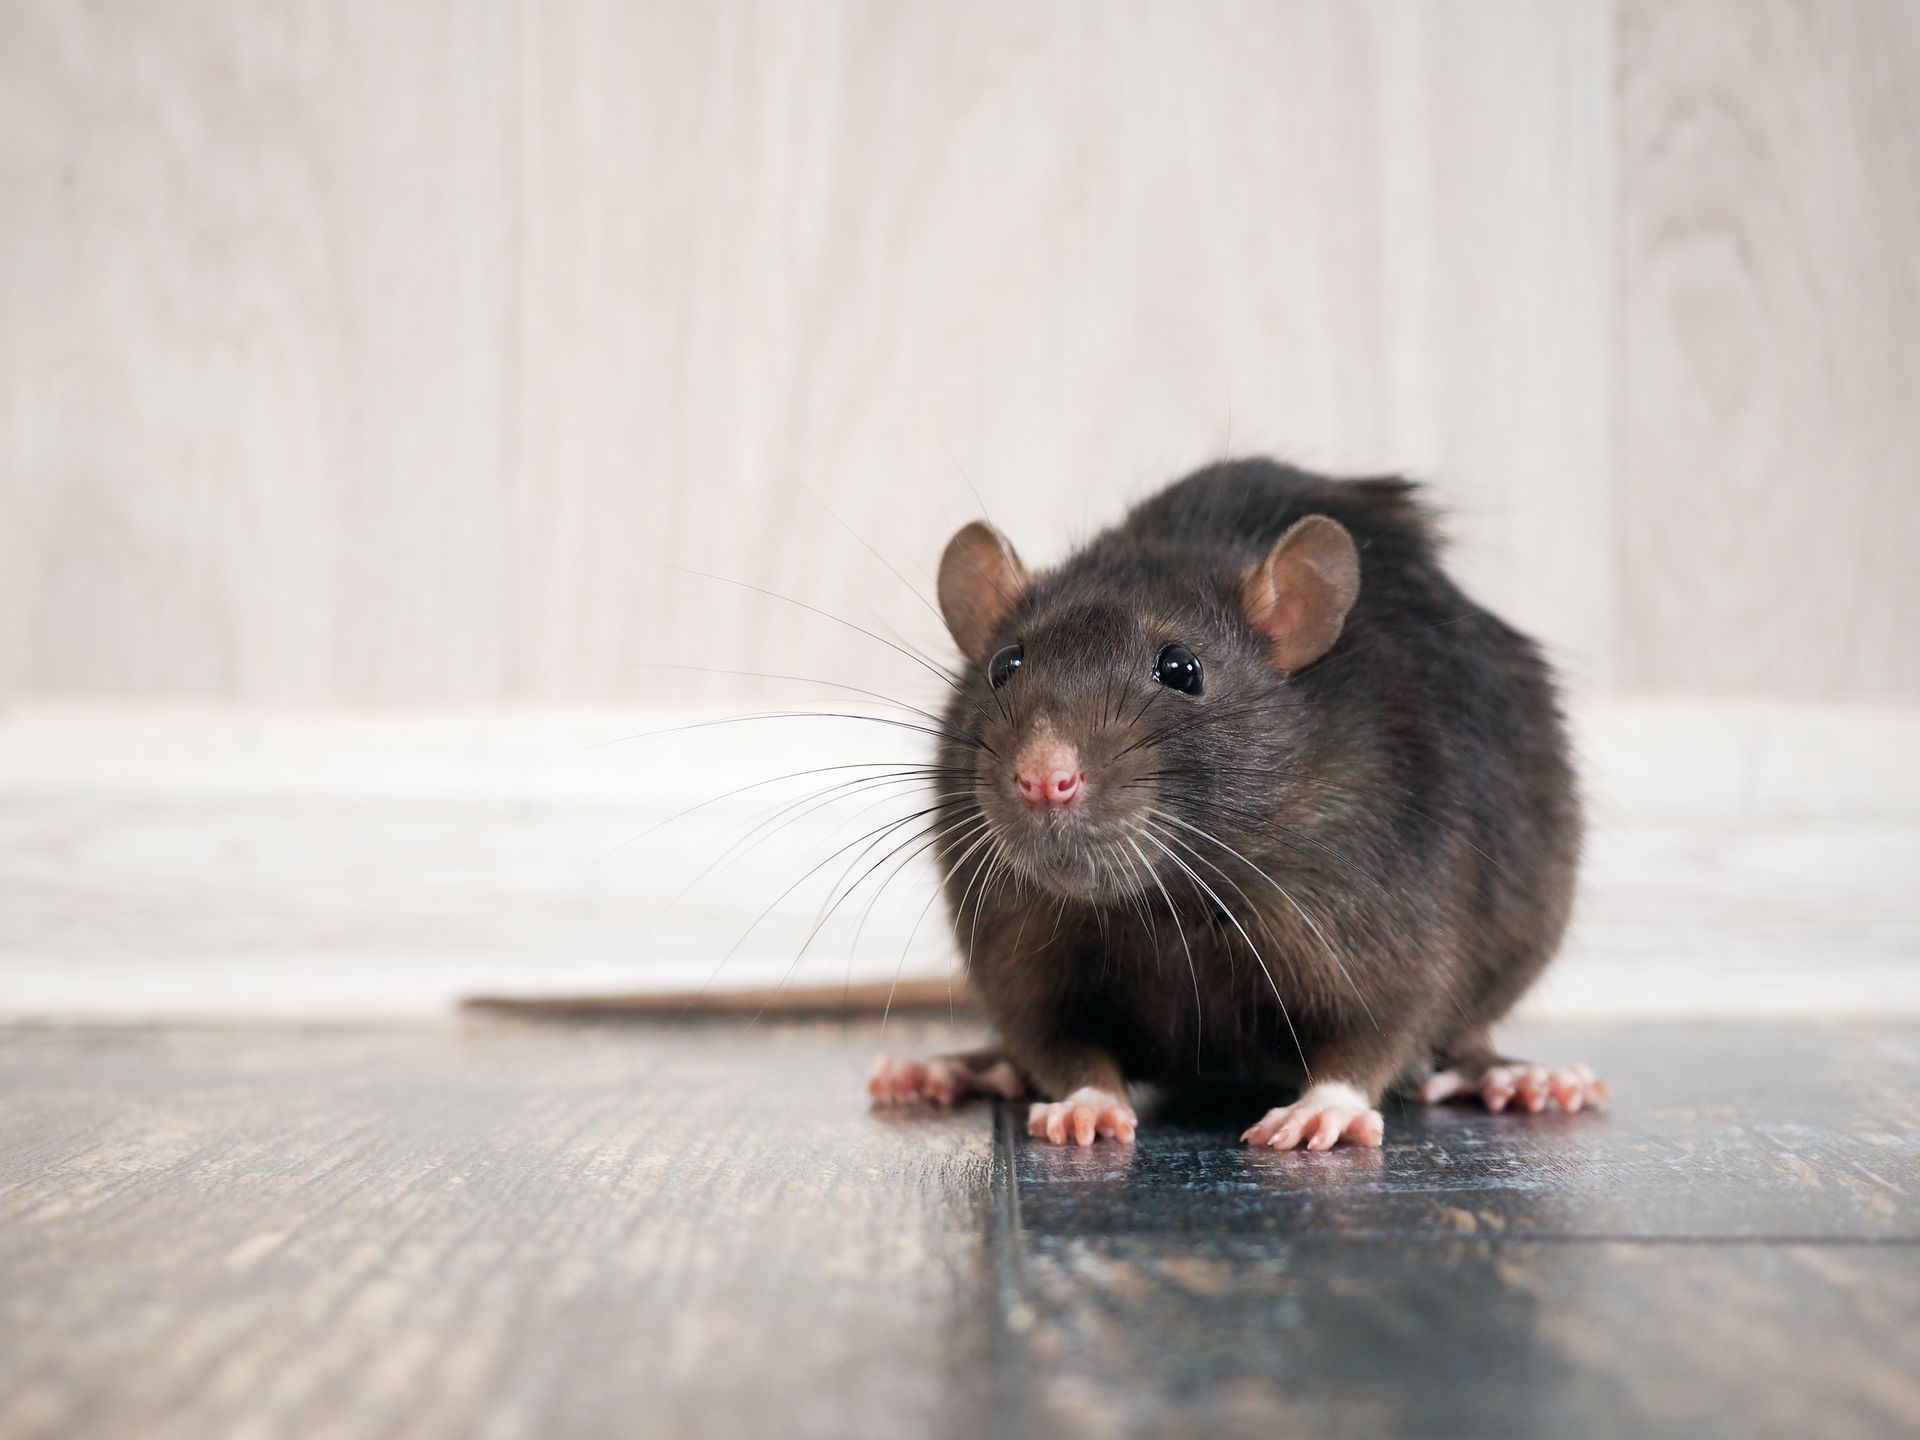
(360, 353)
(254, 276)
(1063, 252)
(1770, 223)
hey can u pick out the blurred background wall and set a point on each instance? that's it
(364, 352)
(367, 358)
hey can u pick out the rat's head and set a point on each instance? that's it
(1137, 691)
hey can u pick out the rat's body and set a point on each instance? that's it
(1253, 802)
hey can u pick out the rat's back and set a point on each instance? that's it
(1248, 504)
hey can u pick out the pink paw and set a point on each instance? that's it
(1324, 1116)
(940, 1080)
(1572, 1087)
(1083, 1115)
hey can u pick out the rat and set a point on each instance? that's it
(1254, 795)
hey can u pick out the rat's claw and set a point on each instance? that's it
(898, 1082)
(1572, 1087)
(1530, 1085)
(1576, 1087)
(1497, 1087)
(1085, 1115)
(944, 1080)
(909, 1082)
(1443, 1085)
(1324, 1116)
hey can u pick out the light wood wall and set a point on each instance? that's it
(371, 352)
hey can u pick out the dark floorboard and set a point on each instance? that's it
(501, 1229)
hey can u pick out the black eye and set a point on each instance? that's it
(1177, 668)
(1005, 661)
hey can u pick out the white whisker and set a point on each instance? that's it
(1194, 876)
(1199, 1009)
(1285, 894)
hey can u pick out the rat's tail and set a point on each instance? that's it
(817, 1001)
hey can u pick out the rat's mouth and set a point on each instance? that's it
(1066, 857)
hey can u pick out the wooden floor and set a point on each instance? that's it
(499, 1229)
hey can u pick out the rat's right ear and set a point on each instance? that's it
(981, 580)
(1299, 596)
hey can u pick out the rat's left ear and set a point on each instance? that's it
(980, 581)
(1299, 596)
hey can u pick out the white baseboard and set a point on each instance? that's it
(1745, 860)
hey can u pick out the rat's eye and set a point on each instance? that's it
(1177, 668)
(1005, 661)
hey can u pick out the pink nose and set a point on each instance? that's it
(1048, 773)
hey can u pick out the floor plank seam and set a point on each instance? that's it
(1013, 1316)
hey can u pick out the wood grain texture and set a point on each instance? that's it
(1472, 1338)
(356, 355)
(1718, 1132)
(1769, 172)
(1664, 1270)
(483, 1231)
(254, 281)
(559, 1230)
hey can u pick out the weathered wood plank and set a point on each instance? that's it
(1656, 1271)
(1719, 1132)
(1169, 1334)
(488, 1229)
(578, 1229)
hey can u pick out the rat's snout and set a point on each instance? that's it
(1047, 772)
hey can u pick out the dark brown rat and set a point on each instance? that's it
(1258, 795)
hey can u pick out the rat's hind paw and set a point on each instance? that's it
(1084, 1115)
(1572, 1087)
(1324, 1116)
(944, 1080)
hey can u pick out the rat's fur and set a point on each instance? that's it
(1391, 832)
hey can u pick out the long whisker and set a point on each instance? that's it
(998, 863)
(938, 795)
(931, 669)
(873, 551)
(967, 480)
(828, 911)
(808, 875)
(1136, 895)
(965, 826)
(939, 734)
(1154, 692)
(1398, 795)
(877, 695)
(1285, 894)
(996, 853)
(1199, 1009)
(762, 784)
(1232, 919)
(758, 833)
(985, 836)
(892, 631)
(1182, 724)
(1286, 834)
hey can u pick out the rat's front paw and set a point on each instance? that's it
(1082, 1116)
(1324, 1116)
